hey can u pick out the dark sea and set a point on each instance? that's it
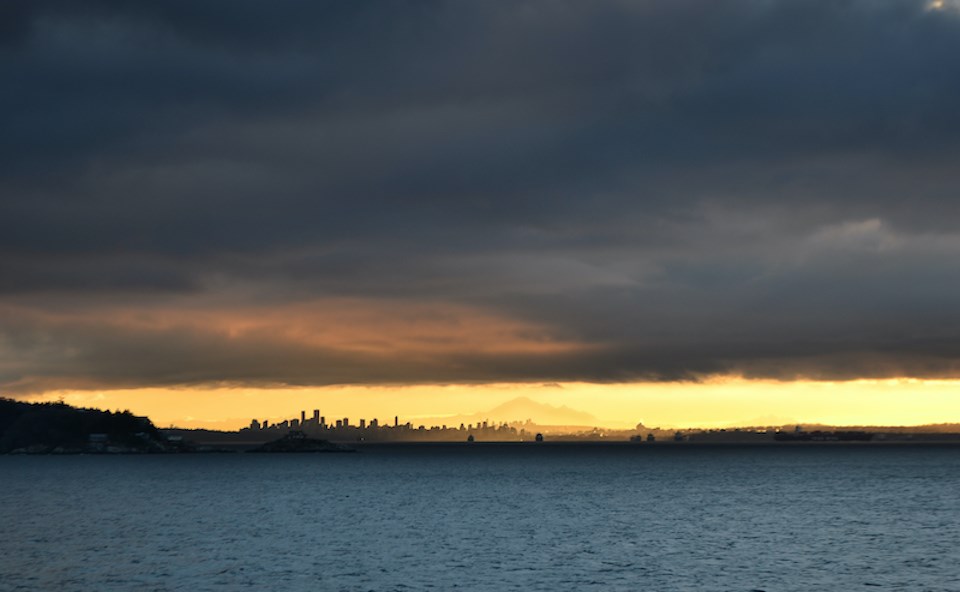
(487, 517)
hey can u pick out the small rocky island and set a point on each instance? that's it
(297, 441)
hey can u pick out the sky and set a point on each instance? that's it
(208, 203)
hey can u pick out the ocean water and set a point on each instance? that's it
(487, 517)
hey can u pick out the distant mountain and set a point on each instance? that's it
(521, 409)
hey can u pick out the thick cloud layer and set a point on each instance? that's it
(539, 190)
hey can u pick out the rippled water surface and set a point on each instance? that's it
(487, 517)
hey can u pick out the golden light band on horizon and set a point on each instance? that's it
(719, 402)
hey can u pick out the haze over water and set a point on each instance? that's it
(487, 517)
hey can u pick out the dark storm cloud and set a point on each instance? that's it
(675, 188)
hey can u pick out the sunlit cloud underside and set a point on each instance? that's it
(338, 205)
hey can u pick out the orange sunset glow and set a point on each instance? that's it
(717, 403)
(442, 212)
